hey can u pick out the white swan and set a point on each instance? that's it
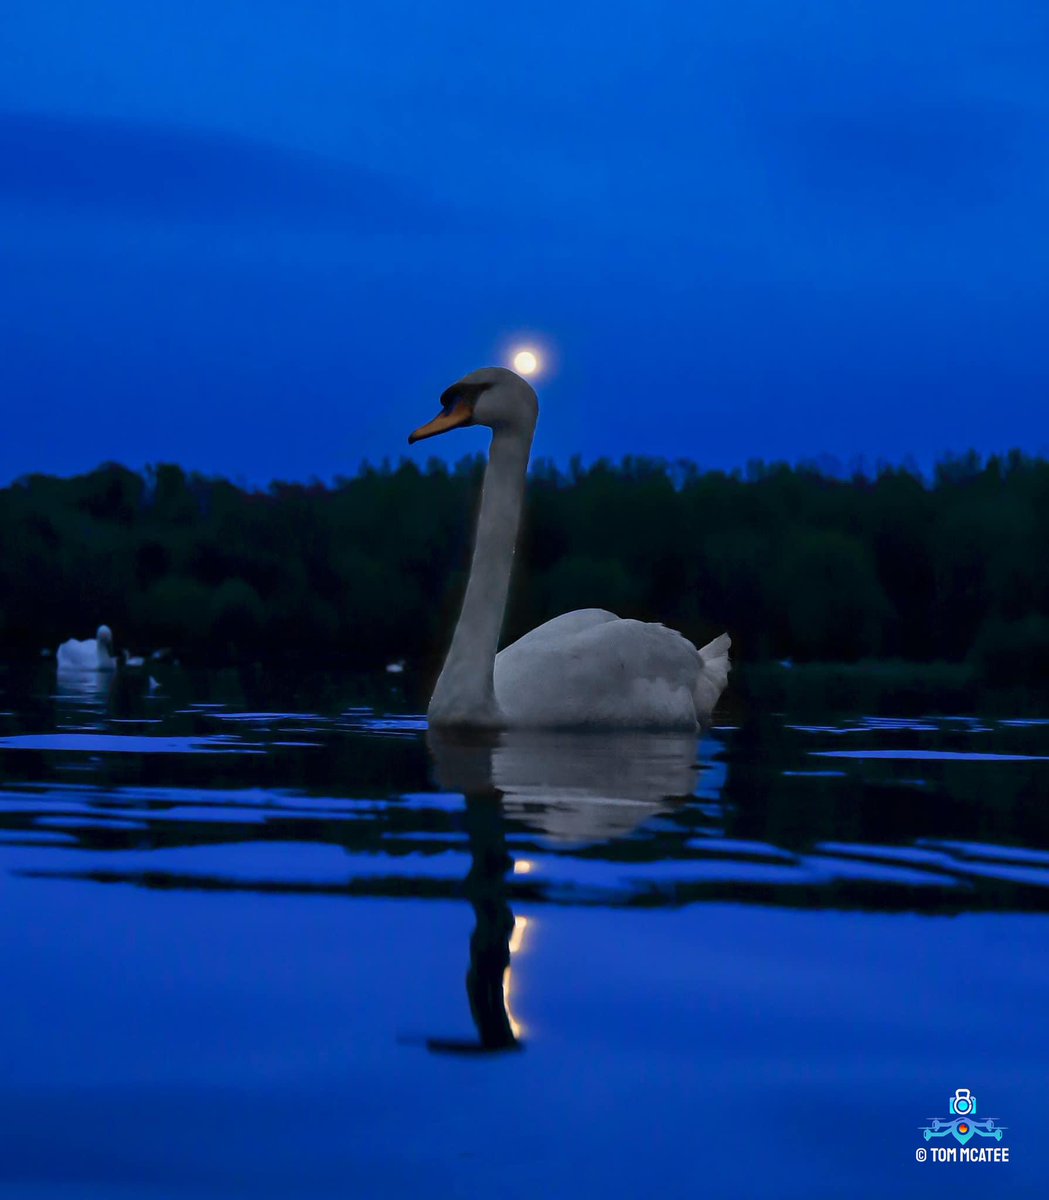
(588, 668)
(93, 654)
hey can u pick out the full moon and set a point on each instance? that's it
(526, 362)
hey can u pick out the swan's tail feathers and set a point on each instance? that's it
(713, 675)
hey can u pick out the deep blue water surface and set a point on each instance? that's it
(256, 948)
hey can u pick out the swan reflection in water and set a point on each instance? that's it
(573, 788)
(86, 700)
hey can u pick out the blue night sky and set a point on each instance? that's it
(260, 238)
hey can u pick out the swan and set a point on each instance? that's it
(93, 654)
(584, 669)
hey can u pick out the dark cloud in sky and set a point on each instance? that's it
(261, 238)
(116, 168)
(912, 159)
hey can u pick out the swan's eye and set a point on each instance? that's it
(457, 410)
(462, 393)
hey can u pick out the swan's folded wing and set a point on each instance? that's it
(565, 625)
(77, 654)
(610, 673)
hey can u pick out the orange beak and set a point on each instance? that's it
(453, 418)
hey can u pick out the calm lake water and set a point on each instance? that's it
(263, 937)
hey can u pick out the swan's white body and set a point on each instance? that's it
(592, 668)
(585, 669)
(92, 654)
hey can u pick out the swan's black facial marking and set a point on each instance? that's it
(457, 409)
(462, 393)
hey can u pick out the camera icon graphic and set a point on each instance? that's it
(963, 1103)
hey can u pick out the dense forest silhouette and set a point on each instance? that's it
(795, 562)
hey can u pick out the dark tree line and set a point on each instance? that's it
(795, 563)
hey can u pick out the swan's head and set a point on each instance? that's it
(493, 396)
(105, 636)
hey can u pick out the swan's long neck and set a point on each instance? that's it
(465, 693)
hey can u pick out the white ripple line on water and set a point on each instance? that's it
(102, 743)
(930, 755)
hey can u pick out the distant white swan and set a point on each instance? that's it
(93, 654)
(587, 668)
